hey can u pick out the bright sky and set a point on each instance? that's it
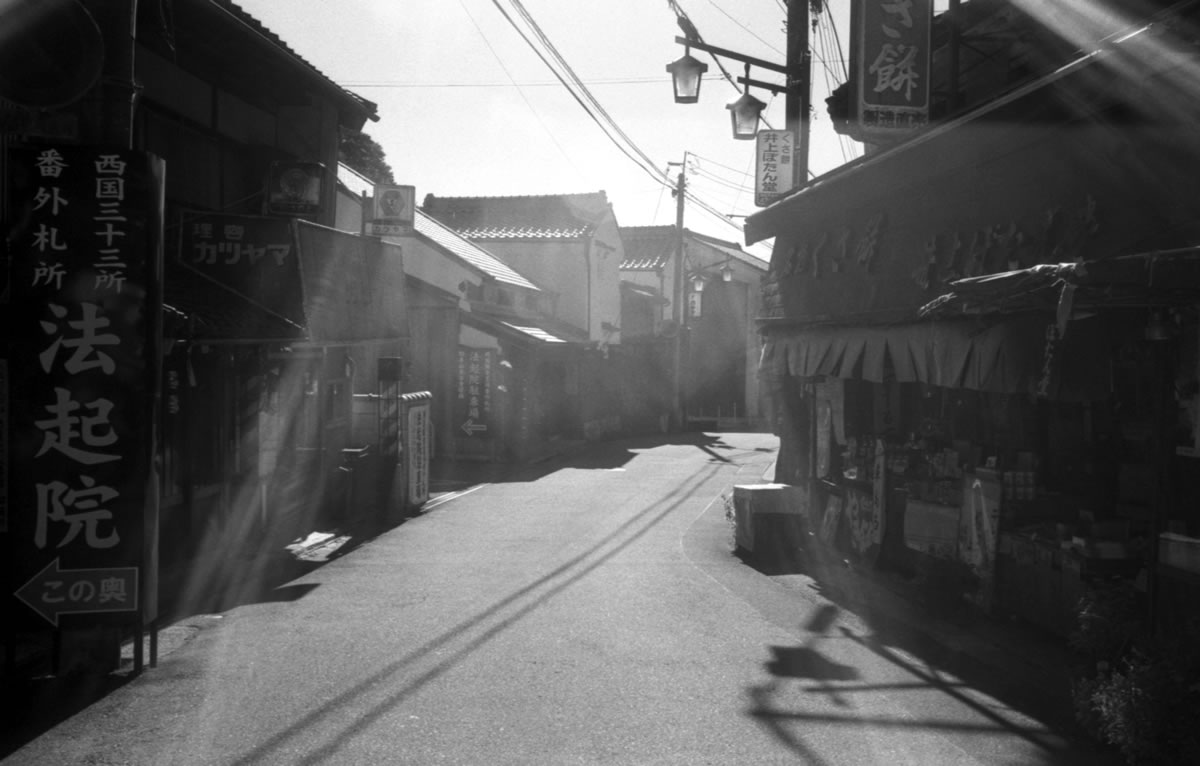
(467, 108)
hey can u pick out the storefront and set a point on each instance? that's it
(1013, 429)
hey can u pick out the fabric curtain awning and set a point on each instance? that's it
(1001, 357)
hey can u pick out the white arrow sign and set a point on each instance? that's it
(55, 591)
(470, 428)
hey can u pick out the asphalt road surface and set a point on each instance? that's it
(588, 611)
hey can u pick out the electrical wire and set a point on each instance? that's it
(508, 74)
(550, 56)
(510, 84)
(577, 90)
(749, 31)
(690, 31)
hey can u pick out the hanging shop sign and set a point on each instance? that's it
(474, 393)
(774, 165)
(255, 255)
(294, 189)
(393, 209)
(891, 55)
(84, 321)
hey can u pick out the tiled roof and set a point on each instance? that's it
(369, 107)
(651, 248)
(443, 237)
(470, 252)
(537, 217)
(647, 248)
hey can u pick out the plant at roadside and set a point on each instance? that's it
(1108, 623)
(1140, 695)
(1146, 706)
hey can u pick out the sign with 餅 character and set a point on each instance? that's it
(82, 351)
(890, 52)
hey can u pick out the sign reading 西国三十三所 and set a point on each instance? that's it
(83, 351)
(890, 52)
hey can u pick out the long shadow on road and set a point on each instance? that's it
(930, 663)
(550, 585)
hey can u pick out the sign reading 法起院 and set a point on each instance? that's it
(82, 351)
(891, 63)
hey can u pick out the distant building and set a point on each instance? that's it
(467, 307)
(568, 243)
(721, 294)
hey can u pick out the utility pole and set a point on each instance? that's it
(797, 104)
(677, 296)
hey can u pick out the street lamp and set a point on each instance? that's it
(745, 112)
(700, 276)
(685, 77)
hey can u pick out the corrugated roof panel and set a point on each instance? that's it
(537, 332)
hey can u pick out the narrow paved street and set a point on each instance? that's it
(588, 611)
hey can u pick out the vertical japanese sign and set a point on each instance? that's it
(774, 165)
(474, 395)
(254, 255)
(390, 374)
(83, 363)
(418, 452)
(891, 56)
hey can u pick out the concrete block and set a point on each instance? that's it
(769, 519)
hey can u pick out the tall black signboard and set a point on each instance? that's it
(82, 326)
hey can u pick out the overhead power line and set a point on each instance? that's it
(541, 45)
(510, 84)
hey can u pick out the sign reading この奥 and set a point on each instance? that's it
(82, 353)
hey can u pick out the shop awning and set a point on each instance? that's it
(1003, 356)
(1144, 280)
(200, 308)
